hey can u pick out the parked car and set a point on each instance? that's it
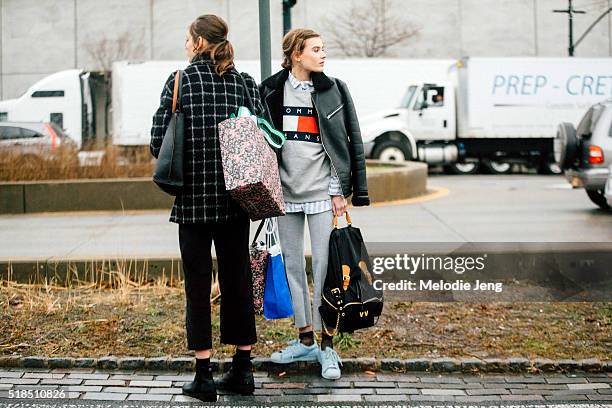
(585, 152)
(32, 141)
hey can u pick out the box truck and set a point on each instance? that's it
(489, 111)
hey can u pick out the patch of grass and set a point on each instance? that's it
(279, 334)
(346, 342)
(380, 168)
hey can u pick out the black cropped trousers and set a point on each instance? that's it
(237, 319)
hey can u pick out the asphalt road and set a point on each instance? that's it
(477, 208)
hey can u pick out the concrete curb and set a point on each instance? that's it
(349, 365)
(390, 181)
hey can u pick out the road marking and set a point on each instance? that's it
(433, 193)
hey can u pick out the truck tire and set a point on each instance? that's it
(549, 168)
(463, 168)
(598, 198)
(566, 145)
(495, 167)
(392, 150)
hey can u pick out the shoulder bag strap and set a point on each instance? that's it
(176, 94)
(246, 94)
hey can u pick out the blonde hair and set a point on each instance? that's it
(294, 42)
(214, 29)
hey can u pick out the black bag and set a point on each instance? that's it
(349, 301)
(169, 167)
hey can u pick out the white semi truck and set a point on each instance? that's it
(489, 111)
(64, 98)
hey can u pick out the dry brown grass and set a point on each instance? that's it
(63, 163)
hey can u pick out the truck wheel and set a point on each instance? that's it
(496, 167)
(549, 168)
(598, 198)
(566, 145)
(463, 168)
(391, 150)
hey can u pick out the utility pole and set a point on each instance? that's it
(570, 13)
(287, 5)
(265, 56)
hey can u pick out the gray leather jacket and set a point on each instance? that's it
(338, 126)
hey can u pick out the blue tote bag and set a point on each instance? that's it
(277, 298)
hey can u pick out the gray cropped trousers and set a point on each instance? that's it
(291, 235)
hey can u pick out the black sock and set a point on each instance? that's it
(307, 338)
(243, 354)
(203, 369)
(326, 341)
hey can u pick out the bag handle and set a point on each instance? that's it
(262, 123)
(176, 94)
(271, 232)
(348, 219)
(269, 131)
(261, 224)
(245, 90)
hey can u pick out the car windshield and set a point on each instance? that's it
(408, 97)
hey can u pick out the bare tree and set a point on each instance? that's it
(368, 29)
(105, 51)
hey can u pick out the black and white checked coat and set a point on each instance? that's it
(207, 99)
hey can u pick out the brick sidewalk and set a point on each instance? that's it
(114, 385)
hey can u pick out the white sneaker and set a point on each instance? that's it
(295, 351)
(330, 362)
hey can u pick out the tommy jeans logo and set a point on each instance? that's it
(303, 137)
(300, 124)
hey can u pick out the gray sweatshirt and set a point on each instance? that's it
(305, 169)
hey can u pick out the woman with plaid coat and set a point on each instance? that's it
(205, 212)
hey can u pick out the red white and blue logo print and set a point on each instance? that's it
(300, 124)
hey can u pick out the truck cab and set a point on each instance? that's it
(65, 98)
(420, 128)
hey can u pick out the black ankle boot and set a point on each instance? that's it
(202, 387)
(239, 379)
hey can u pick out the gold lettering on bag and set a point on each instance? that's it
(363, 314)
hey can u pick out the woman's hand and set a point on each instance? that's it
(339, 205)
